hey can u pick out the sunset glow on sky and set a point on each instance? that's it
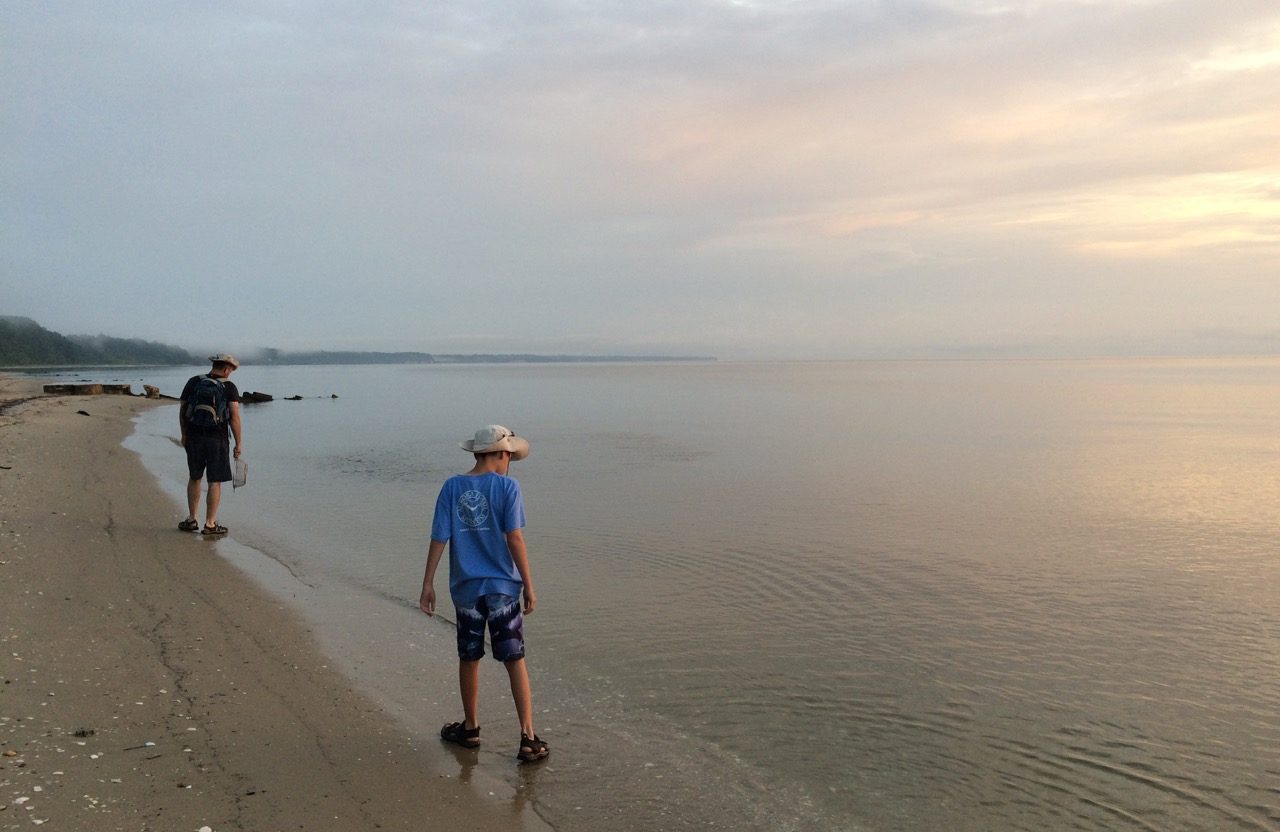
(747, 180)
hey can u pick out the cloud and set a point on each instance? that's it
(732, 177)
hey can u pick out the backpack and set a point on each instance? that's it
(208, 407)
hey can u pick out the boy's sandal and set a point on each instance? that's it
(189, 526)
(214, 530)
(532, 748)
(458, 732)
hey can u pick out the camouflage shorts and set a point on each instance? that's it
(505, 621)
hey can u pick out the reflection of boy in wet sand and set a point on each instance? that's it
(480, 515)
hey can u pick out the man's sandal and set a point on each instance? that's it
(458, 732)
(216, 530)
(189, 526)
(532, 748)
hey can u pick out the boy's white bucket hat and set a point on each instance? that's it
(496, 438)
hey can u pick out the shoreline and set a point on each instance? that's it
(148, 684)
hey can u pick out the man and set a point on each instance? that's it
(480, 515)
(210, 407)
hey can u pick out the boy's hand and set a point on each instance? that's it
(530, 599)
(427, 601)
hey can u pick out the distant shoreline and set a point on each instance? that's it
(353, 359)
(39, 349)
(345, 358)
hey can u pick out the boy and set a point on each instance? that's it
(480, 515)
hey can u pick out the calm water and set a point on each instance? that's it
(881, 596)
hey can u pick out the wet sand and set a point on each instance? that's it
(147, 684)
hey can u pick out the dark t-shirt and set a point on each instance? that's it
(233, 395)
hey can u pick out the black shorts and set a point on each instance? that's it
(209, 453)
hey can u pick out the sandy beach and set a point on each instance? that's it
(147, 684)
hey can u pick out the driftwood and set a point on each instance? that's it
(89, 389)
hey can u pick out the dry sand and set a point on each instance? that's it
(147, 684)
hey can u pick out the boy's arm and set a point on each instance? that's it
(515, 544)
(427, 601)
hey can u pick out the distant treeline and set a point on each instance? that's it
(523, 358)
(274, 356)
(24, 343)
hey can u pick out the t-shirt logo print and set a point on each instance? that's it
(473, 509)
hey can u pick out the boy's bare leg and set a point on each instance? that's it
(522, 695)
(469, 686)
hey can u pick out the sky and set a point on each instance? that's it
(736, 178)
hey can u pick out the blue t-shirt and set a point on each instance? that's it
(473, 515)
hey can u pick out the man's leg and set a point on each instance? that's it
(521, 693)
(193, 497)
(211, 507)
(469, 686)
